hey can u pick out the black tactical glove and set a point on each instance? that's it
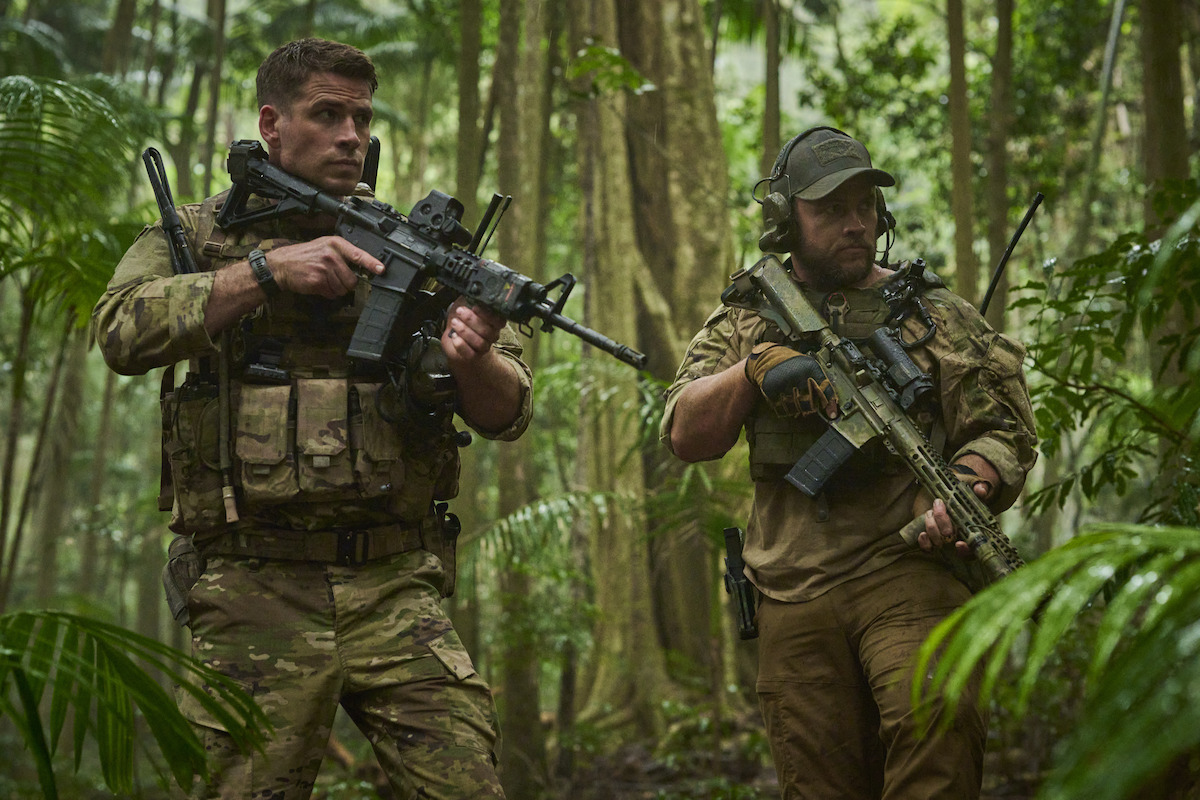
(794, 384)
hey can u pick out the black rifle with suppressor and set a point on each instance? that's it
(425, 245)
(873, 394)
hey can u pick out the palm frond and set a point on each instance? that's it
(1142, 686)
(103, 676)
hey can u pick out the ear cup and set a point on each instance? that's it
(778, 231)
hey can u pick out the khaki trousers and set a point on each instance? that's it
(834, 684)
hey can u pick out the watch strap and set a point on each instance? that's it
(262, 273)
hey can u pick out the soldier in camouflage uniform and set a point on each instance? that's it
(314, 578)
(844, 601)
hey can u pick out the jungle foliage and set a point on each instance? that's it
(590, 538)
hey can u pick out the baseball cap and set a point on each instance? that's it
(821, 161)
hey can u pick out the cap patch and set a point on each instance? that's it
(831, 150)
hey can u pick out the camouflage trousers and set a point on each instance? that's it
(834, 685)
(303, 638)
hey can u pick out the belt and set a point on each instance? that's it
(342, 547)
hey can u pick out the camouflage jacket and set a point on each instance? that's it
(322, 442)
(799, 547)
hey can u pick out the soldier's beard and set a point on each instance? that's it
(829, 270)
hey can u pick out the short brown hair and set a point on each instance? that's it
(285, 72)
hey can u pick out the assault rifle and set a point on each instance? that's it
(873, 394)
(427, 244)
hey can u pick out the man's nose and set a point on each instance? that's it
(347, 132)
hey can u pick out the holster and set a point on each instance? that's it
(445, 545)
(184, 567)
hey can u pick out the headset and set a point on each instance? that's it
(780, 233)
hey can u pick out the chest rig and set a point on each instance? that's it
(283, 423)
(897, 302)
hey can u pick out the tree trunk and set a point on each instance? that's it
(53, 498)
(680, 190)
(961, 193)
(1166, 149)
(772, 141)
(115, 56)
(625, 682)
(520, 77)
(216, 15)
(89, 547)
(8, 472)
(999, 123)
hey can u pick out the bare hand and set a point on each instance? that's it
(326, 266)
(939, 528)
(470, 332)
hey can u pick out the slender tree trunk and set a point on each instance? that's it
(90, 544)
(115, 56)
(464, 606)
(680, 183)
(53, 499)
(772, 140)
(962, 197)
(999, 123)
(8, 472)
(519, 76)
(216, 16)
(1166, 148)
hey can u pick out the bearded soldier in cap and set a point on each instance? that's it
(844, 602)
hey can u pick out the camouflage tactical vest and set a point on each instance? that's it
(317, 441)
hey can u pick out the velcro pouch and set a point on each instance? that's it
(267, 464)
(323, 438)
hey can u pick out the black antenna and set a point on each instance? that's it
(488, 225)
(987, 298)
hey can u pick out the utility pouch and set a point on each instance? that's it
(267, 462)
(323, 439)
(191, 445)
(184, 567)
(375, 445)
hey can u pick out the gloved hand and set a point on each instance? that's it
(794, 384)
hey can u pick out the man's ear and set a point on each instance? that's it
(268, 126)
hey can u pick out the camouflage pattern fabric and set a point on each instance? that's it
(303, 637)
(331, 446)
(798, 547)
(344, 465)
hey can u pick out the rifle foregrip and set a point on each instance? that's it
(375, 325)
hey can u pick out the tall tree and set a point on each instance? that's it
(999, 127)
(624, 683)
(520, 80)
(680, 192)
(962, 202)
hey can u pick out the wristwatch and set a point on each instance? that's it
(262, 273)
